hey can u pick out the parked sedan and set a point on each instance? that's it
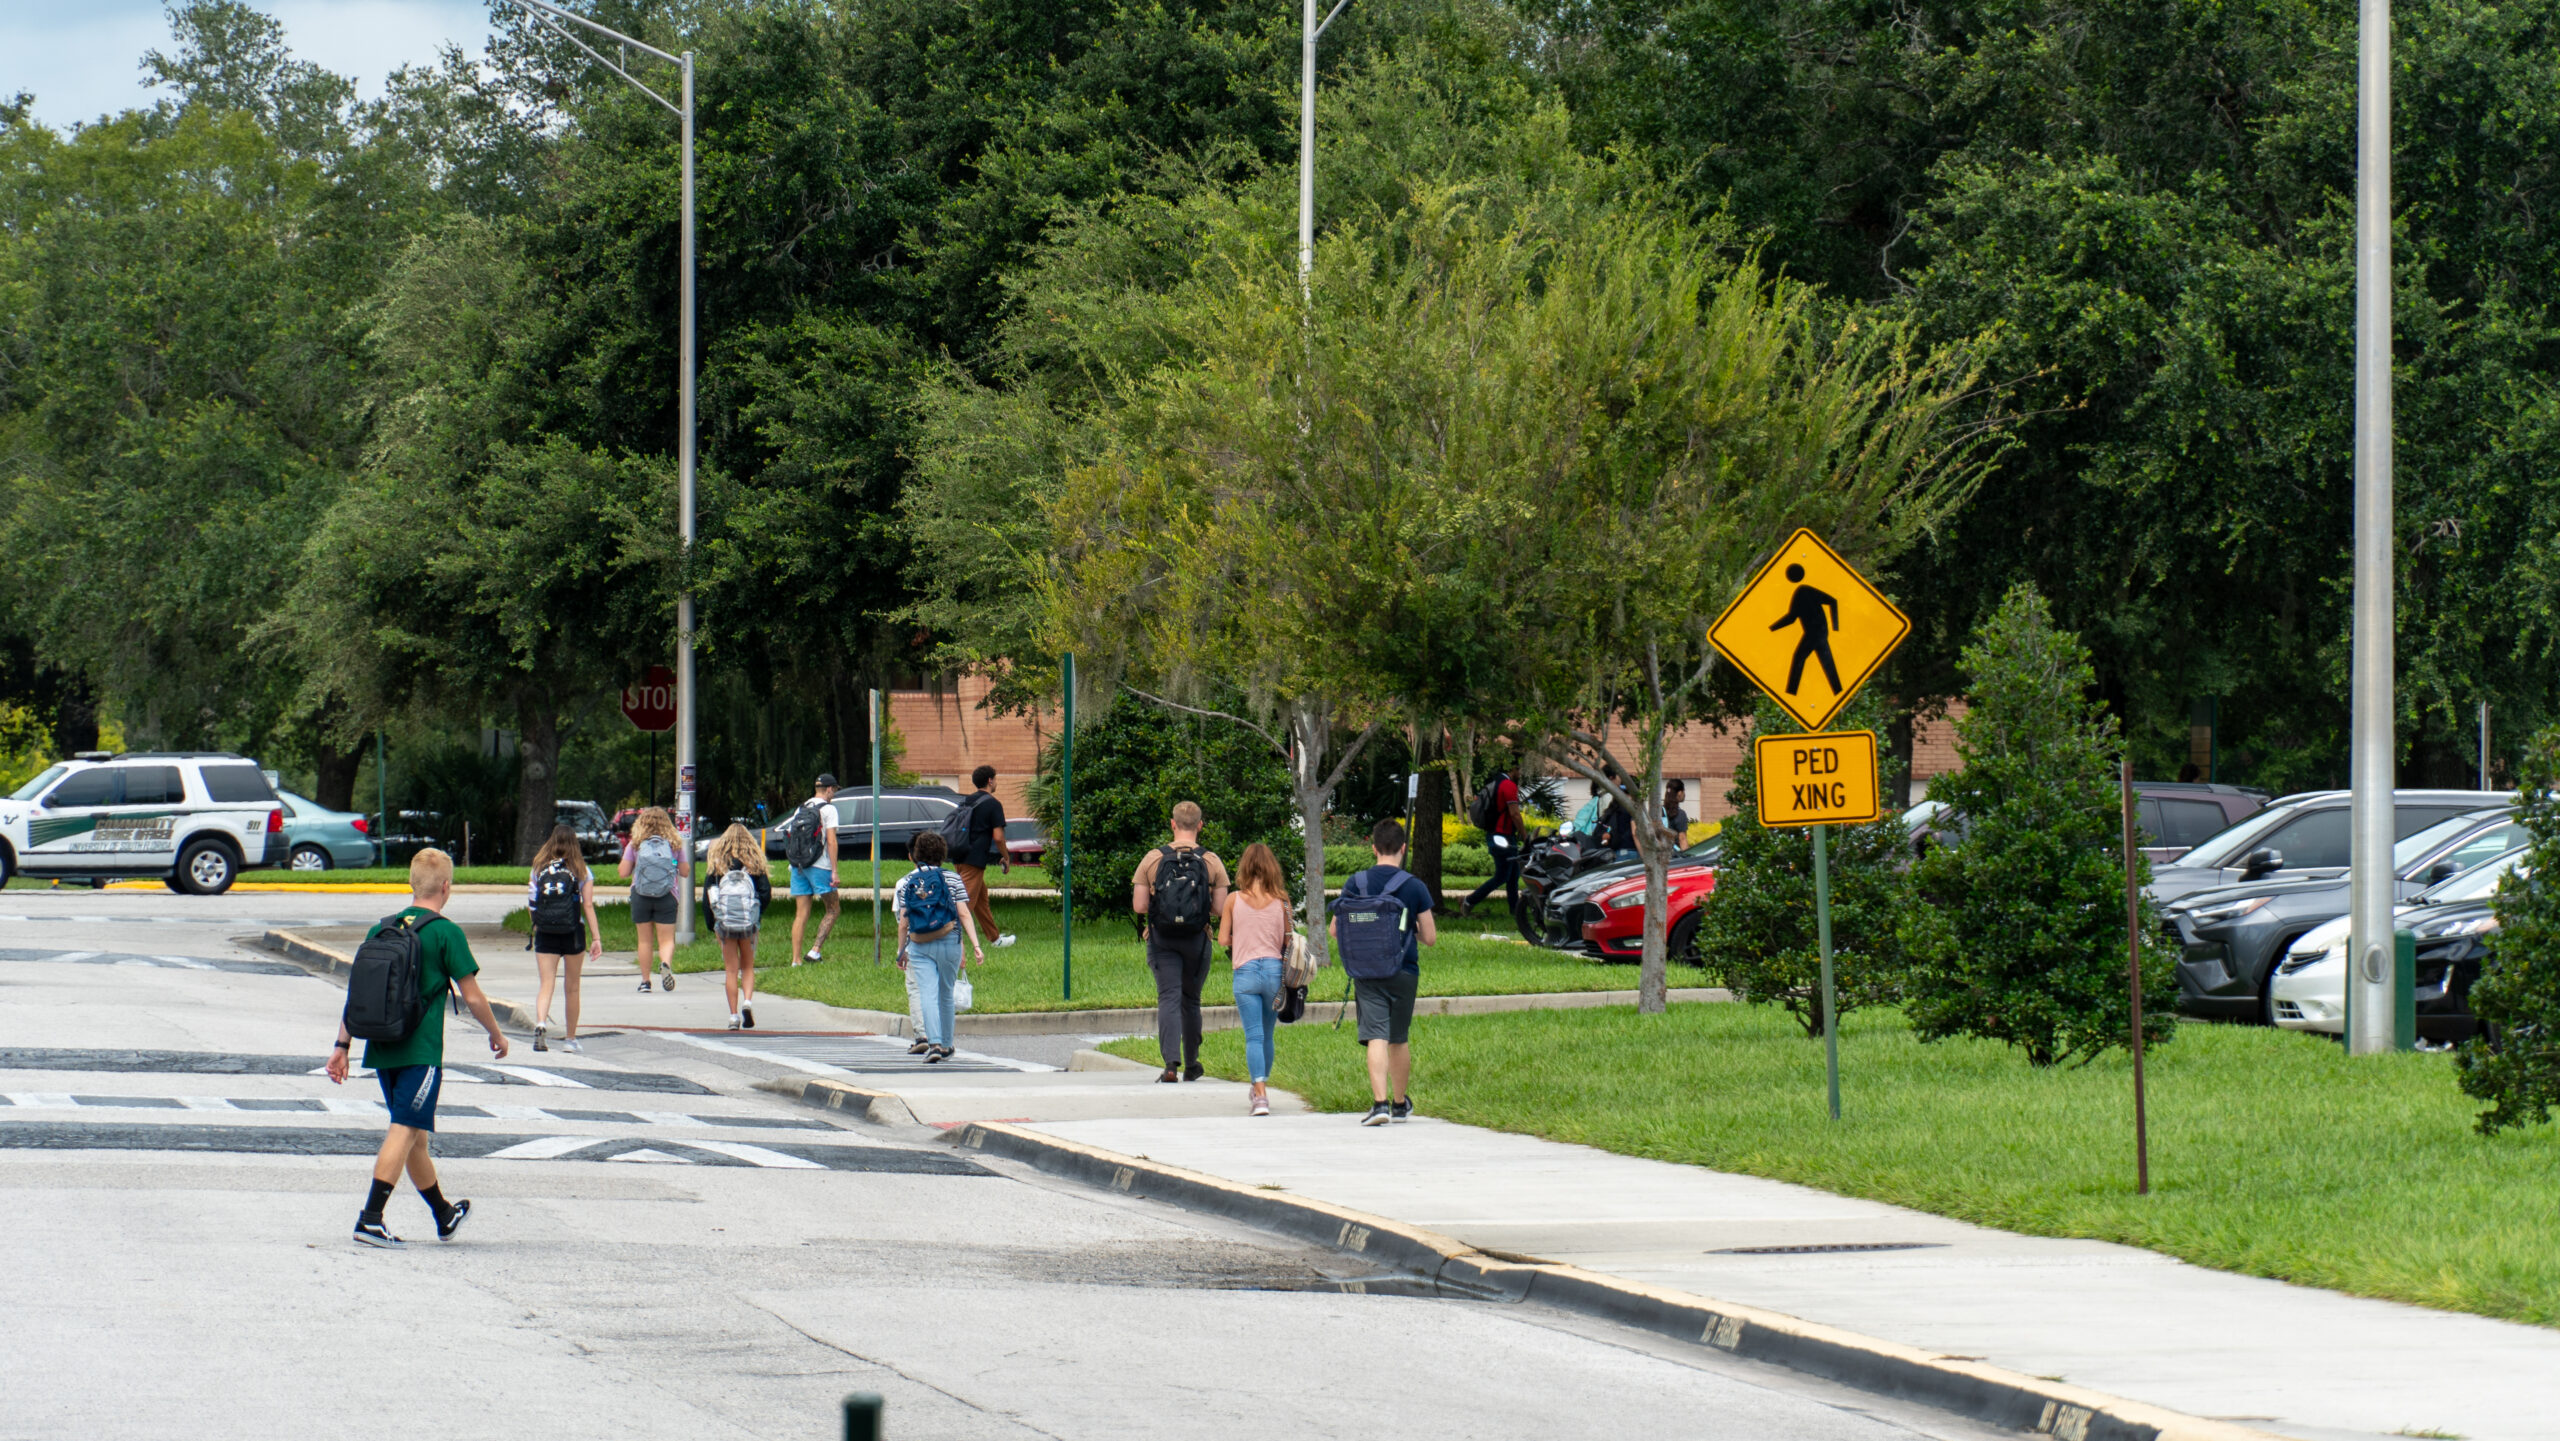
(2302, 836)
(906, 812)
(320, 839)
(2451, 923)
(2231, 938)
(1574, 904)
(1613, 924)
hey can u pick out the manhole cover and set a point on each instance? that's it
(1828, 1248)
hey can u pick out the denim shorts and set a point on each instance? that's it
(409, 1093)
(812, 881)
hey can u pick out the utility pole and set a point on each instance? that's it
(1310, 31)
(2374, 746)
(550, 16)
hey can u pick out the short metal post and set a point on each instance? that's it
(1822, 932)
(2133, 967)
(2484, 745)
(1066, 832)
(382, 806)
(862, 1416)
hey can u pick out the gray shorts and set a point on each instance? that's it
(1386, 1007)
(652, 910)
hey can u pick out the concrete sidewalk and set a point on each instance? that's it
(2280, 1358)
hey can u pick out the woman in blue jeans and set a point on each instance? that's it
(933, 914)
(1255, 930)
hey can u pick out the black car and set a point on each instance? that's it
(2300, 837)
(2230, 938)
(2175, 816)
(596, 838)
(906, 812)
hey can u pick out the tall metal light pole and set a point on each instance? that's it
(2374, 748)
(550, 16)
(1311, 30)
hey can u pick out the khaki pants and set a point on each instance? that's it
(973, 879)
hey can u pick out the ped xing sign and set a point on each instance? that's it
(1814, 780)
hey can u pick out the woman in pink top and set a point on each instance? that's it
(1254, 928)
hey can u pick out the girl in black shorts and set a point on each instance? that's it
(561, 895)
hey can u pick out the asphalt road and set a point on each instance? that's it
(658, 1250)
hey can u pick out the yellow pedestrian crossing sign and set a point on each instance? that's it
(1809, 630)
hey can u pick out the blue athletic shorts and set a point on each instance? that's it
(812, 881)
(409, 1092)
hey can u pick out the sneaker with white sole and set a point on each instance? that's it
(733, 1020)
(1006, 940)
(570, 1044)
(1379, 1115)
(1400, 1111)
(644, 985)
(748, 1015)
(813, 957)
(372, 1233)
(541, 1029)
(452, 1223)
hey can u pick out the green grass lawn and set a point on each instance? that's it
(1110, 964)
(2271, 1153)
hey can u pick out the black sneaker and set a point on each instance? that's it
(1400, 1110)
(644, 985)
(446, 1226)
(371, 1233)
(747, 1014)
(1194, 1071)
(919, 1048)
(1379, 1115)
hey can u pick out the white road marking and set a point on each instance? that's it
(42, 1100)
(815, 1068)
(537, 1077)
(544, 1148)
(205, 1103)
(535, 1114)
(340, 1106)
(648, 1155)
(756, 1155)
(190, 962)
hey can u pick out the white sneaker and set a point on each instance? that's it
(733, 1020)
(1004, 941)
(570, 1044)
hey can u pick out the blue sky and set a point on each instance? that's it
(81, 58)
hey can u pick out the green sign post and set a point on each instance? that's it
(1066, 833)
(875, 827)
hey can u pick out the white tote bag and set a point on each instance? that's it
(961, 994)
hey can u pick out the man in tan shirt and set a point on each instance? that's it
(1179, 889)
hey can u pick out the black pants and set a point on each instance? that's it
(1181, 966)
(1506, 874)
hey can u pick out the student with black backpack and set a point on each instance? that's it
(395, 1004)
(1381, 922)
(809, 844)
(562, 898)
(1496, 812)
(1178, 890)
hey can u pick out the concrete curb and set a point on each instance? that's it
(332, 965)
(1104, 1061)
(1142, 1019)
(884, 1108)
(1969, 1388)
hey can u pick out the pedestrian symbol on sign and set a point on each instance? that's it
(1804, 611)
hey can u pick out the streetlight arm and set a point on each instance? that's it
(605, 31)
(1328, 19)
(554, 27)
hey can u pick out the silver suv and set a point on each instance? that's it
(192, 819)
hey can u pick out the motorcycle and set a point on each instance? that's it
(1549, 863)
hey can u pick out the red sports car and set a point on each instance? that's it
(1617, 933)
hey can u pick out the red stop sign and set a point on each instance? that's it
(651, 705)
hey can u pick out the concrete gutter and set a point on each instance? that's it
(1983, 1393)
(884, 1108)
(1142, 1019)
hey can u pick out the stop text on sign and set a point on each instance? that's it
(1824, 778)
(651, 705)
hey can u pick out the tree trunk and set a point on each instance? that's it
(1307, 727)
(1422, 858)
(75, 719)
(1902, 738)
(538, 784)
(333, 768)
(1653, 845)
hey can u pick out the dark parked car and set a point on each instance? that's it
(2230, 938)
(906, 812)
(2301, 837)
(596, 839)
(2173, 816)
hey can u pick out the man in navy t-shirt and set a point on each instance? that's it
(1386, 1006)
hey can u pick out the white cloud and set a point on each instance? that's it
(84, 60)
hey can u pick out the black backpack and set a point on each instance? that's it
(386, 993)
(954, 830)
(802, 845)
(1370, 924)
(555, 898)
(1179, 904)
(1485, 811)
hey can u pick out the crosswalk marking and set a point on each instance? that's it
(539, 1077)
(206, 1103)
(774, 1160)
(43, 1100)
(651, 1154)
(545, 1148)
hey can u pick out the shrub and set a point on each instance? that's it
(1757, 933)
(2017, 934)
(1133, 763)
(2516, 1066)
(1342, 860)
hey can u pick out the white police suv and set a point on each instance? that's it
(192, 819)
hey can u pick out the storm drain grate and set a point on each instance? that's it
(1827, 1248)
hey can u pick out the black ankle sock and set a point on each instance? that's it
(381, 1193)
(434, 1196)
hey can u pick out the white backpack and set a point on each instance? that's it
(733, 902)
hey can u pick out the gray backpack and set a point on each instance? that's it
(653, 870)
(733, 902)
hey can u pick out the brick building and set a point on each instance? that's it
(947, 736)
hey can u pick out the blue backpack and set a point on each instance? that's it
(1371, 930)
(929, 907)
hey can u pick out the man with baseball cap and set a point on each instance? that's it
(818, 876)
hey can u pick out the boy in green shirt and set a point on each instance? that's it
(412, 1070)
